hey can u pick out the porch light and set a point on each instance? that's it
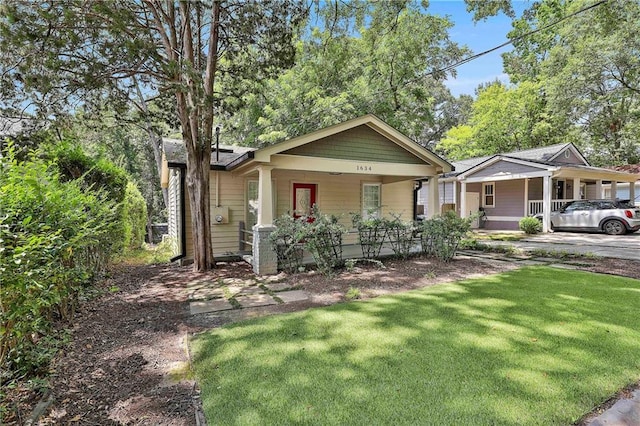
(335, 173)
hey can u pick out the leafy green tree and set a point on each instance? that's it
(364, 57)
(505, 119)
(61, 52)
(588, 65)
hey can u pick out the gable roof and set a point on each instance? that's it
(547, 155)
(369, 120)
(231, 156)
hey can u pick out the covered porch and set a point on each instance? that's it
(362, 166)
(506, 199)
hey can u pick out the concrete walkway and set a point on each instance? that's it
(232, 293)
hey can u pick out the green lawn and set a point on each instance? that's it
(534, 346)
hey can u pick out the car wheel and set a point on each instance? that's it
(614, 227)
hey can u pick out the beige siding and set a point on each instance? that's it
(360, 143)
(397, 200)
(175, 212)
(339, 195)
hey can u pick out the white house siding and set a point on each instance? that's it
(622, 191)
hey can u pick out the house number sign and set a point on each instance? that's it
(363, 168)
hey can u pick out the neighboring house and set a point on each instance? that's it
(508, 187)
(623, 190)
(362, 165)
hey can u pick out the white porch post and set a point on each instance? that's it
(614, 189)
(463, 199)
(265, 259)
(598, 189)
(455, 192)
(576, 188)
(434, 197)
(632, 192)
(526, 197)
(265, 196)
(546, 203)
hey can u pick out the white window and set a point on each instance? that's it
(370, 200)
(488, 194)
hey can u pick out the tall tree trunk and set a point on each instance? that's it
(197, 180)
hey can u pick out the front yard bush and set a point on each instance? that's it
(55, 236)
(441, 235)
(371, 234)
(323, 238)
(400, 237)
(530, 225)
(288, 242)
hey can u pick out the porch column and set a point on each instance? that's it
(576, 188)
(614, 189)
(265, 196)
(598, 189)
(455, 193)
(546, 203)
(265, 260)
(434, 197)
(526, 197)
(632, 192)
(463, 199)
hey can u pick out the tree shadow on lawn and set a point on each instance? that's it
(533, 346)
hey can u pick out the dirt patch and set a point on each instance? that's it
(127, 362)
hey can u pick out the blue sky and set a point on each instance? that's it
(479, 37)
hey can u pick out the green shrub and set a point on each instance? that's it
(134, 218)
(371, 234)
(400, 237)
(54, 237)
(323, 238)
(287, 242)
(530, 225)
(441, 235)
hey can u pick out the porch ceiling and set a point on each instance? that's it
(594, 173)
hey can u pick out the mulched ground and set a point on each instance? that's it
(127, 363)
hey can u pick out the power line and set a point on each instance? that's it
(511, 41)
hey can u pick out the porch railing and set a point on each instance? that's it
(245, 236)
(535, 206)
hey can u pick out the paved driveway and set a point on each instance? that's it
(617, 246)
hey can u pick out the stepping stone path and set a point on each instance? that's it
(234, 293)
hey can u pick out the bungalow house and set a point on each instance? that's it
(507, 187)
(362, 165)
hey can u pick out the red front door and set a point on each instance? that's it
(304, 197)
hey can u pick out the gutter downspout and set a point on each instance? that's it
(416, 189)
